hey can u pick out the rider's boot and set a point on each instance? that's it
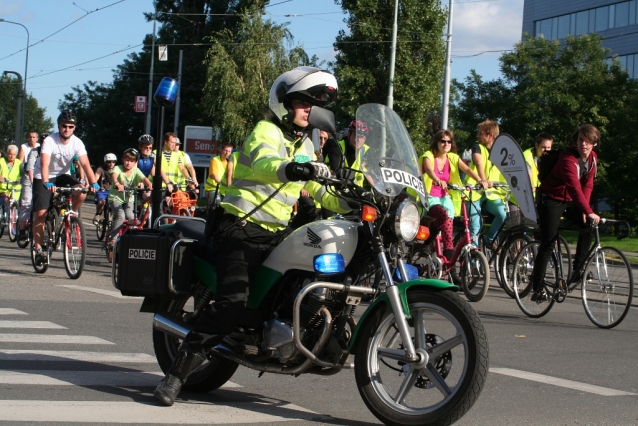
(184, 364)
(453, 274)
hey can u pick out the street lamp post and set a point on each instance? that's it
(18, 140)
(393, 54)
(18, 134)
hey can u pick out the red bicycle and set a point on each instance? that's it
(473, 265)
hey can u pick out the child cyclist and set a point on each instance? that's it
(125, 176)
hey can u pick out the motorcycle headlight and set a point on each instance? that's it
(407, 221)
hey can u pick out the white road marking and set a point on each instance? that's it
(98, 291)
(29, 324)
(267, 411)
(41, 355)
(85, 378)
(570, 384)
(9, 311)
(52, 338)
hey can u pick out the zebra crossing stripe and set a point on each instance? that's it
(29, 324)
(104, 357)
(9, 311)
(265, 411)
(85, 378)
(52, 338)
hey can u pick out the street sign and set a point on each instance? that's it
(199, 144)
(163, 53)
(140, 104)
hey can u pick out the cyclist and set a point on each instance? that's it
(10, 169)
(492, 199)
(566, 192)
(344, 153)
(56, 155)
(103, 176)
(125, 176)
(26, 195)
(218, 175)
(188, 165)
(440, 165)
(146, 163)
(543, 142)
(172, 167)
(275, 157)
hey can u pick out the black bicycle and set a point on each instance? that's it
(606, 278)
(104, 221)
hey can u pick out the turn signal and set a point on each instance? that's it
(368, 214)
(423, 234)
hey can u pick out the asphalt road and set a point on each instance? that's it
(76, 352)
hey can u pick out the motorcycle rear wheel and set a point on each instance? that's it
(450, 331)
(209, 376)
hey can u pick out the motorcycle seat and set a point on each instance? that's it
(194, 229)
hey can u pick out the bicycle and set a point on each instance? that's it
(104, 221)
(475, 271)
(24, 243)
(64, 230)
(606, 281)
(9, 208)
(138, 222)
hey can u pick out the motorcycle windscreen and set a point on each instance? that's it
(388, 159)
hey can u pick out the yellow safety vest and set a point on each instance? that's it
(12, 174)
(211, 183)
(359, 178)
(528, 155)
(492, 173)
(260, 174)
(455, 177)
(171, 168)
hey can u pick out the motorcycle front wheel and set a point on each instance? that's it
(441, 391)
(209, 376)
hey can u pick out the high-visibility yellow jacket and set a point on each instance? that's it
(356, 164)
(171, 168)
(455, 177)
(492, 173)
(260, 173)
(528, 155)
(12, 174)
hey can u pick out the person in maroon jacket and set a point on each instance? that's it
(567, 192)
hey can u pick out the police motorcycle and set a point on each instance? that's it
(419, 352)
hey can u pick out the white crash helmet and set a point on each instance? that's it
(314, 85)
(110, 157)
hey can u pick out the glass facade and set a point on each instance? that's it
(588, 21)
(630, 64)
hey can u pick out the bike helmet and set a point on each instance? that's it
(67, 116)
(309, 84)
(133, 152)
(146, 139)
(358, 126)
(110, 157)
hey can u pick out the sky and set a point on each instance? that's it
(74, 41)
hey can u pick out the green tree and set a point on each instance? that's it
(362, 63)
(241, 67)
(34, 116)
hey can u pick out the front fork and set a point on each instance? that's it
(397, 306)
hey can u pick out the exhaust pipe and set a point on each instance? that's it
(171, 326)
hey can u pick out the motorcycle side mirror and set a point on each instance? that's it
(322, 119)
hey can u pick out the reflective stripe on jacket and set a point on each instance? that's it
(260, 173)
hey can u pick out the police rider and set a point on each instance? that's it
(276, 156)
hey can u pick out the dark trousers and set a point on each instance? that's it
(239, 252)
(549, 214)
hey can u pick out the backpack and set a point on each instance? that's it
(546, 163)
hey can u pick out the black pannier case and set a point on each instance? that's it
(143, 258)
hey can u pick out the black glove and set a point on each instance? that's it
(306, 171)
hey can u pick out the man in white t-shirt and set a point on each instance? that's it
(53, 169)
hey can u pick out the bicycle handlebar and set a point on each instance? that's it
(64, 189)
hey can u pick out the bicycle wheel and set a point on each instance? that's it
(506, 261)
(475, 275)
(74, 248)
(522, 279)
(565, 257)
(3, 219)
(47, 240)
(13, 222)
(608, 287)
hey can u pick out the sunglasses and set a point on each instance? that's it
(446, 141)
(67, 126)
